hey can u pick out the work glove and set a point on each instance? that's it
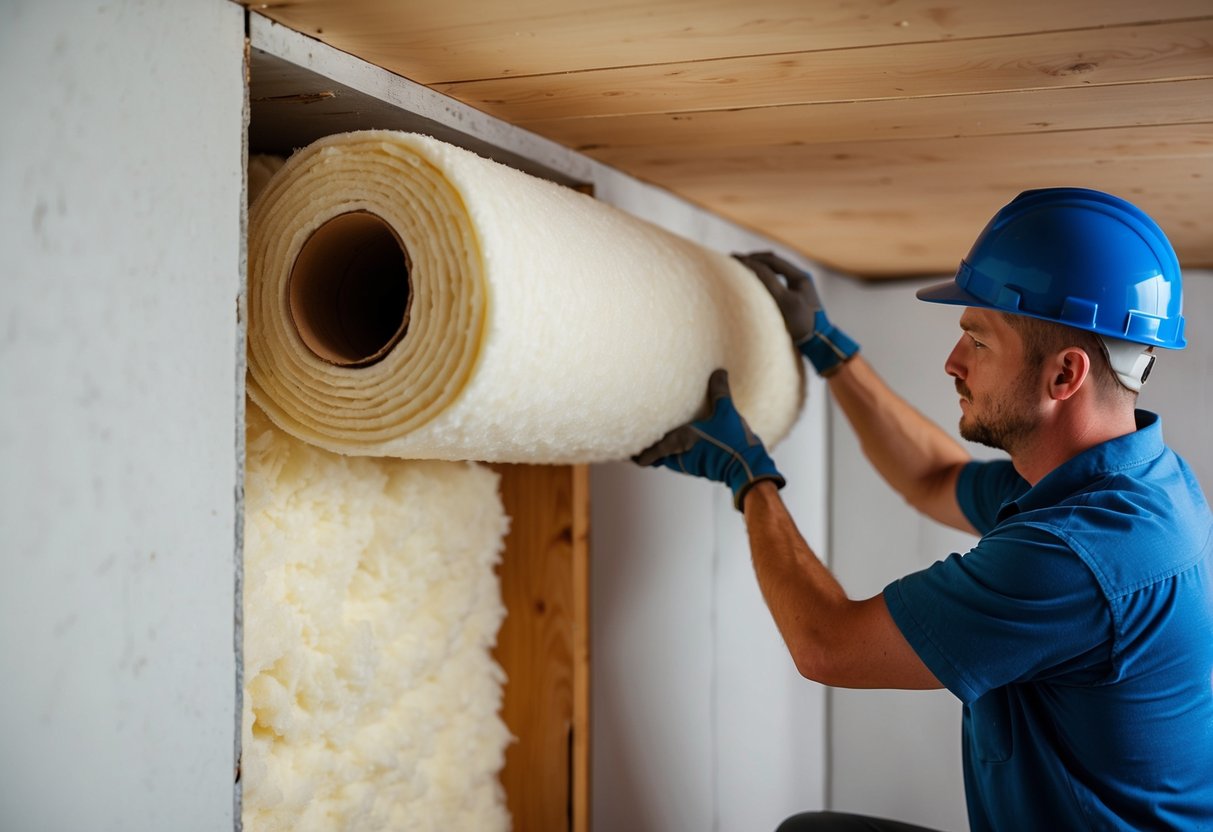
(825, 345)
(720, 447)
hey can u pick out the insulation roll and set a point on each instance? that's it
(408, 298)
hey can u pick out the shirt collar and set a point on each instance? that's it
(1093, 464)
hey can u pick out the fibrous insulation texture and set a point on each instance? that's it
(370, 607)
(544, 326)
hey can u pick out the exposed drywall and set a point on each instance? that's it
(892, 753)
(700, 720)
(120, 212)
(1181, 384)
(897, 753)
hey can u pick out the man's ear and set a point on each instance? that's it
(1069, 369)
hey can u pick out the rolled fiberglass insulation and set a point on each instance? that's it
(371, 697)
(408, 298)
(261, 169)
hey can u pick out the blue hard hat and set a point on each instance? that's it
(1079, 257)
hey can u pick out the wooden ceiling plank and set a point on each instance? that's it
(1171, 189)
(616, 139)
(914, 249)
(432, 42)
(1172, 181)
(1087, 58)
(930, 156)
(920, 224)
(953, 131)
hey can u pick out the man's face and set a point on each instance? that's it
(1000, 395)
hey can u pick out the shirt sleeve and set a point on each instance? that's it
(1020, 606)
(983, 487)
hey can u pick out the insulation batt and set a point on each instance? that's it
(370, 607)
(545, 326)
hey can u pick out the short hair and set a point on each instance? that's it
(1043, 338)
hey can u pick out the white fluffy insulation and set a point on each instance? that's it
(370, 608)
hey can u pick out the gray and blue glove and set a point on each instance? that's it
(720, 447)
(826, 346)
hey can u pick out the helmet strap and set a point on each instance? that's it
(1130, 361)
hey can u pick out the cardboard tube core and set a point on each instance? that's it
(350, 290)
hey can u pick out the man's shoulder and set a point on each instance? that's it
(1131, 530)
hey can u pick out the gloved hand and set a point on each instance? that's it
(826, 346)
(720, 447)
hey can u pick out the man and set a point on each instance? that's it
(1078, 631)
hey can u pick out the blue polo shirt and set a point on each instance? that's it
(1078, 633)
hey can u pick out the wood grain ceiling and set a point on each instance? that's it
(875, 136)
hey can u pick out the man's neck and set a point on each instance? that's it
(1067, 433)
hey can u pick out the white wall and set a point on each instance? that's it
(700, 720)
(895, 753)
(120, 196)
(1181, 384)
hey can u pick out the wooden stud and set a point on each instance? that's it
(543, 646)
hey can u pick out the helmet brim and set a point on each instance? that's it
(950, 292)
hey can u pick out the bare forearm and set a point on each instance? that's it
(831, 638)
(802, 595)
(913, 454)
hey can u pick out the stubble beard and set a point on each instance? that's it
(1006, 423)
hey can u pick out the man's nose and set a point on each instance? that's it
(954, 366)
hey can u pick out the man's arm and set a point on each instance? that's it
(832, 639)
(916, 457)
(913, 454)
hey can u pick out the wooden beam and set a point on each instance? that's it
(1085, 58)
(543, 645)
(580, 760)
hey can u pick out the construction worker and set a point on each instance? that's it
(1078, 631)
